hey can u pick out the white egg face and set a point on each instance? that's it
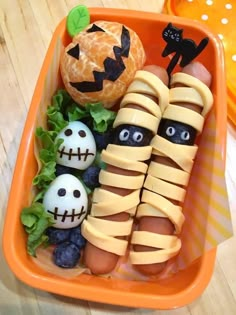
(78, 149)
(66, 199)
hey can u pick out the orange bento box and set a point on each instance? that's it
(175, 291)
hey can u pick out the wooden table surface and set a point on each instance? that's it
(26, 27)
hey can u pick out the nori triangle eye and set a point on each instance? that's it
(95, 28)
(74, 52)
(184, 134)
(131, 139)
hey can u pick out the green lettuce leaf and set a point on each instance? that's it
(46, 175)
(47, 137)
(63, 110)
(36, 220)
(47, 156)
(56, 112)
(102, 117)
(74, 112)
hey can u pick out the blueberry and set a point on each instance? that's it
(77, 238)
(66, 255)
(88, 121)
(61, 169)
(90, 176)
(102, 139)
(57, 236)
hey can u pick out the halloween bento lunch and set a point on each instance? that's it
(111, 159)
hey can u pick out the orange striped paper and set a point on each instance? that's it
(206, 207)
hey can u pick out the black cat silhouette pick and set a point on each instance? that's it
(184, 48)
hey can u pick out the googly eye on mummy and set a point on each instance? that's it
(130, 135)
(66, 199)
(78, 149)
(177, 132)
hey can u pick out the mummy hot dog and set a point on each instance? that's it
(160, 213)
(115, 202)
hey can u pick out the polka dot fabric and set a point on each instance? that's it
(220, 17)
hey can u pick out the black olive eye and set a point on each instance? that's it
(76, 193)
(68, 132)
(61, 192)
(137, 136)
(82, 133)
(170, 131)
(124, 135)
(185, 135)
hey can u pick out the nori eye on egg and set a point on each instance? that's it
(130, 135)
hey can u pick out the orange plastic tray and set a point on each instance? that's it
(220, 16)
(176, 291)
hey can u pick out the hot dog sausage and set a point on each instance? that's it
(157, 182)
(129, 163)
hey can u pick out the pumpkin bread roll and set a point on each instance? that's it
(115, 202)
(169, 172)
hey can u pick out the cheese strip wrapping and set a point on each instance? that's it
(161, 190)
(98, 231)
(206, 209)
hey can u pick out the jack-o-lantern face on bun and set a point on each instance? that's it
(100, 63)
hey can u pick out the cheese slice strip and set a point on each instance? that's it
(184, 115)
(105, 212)
(103, 234)
(147, 210)
(126, 163)
(183, 155)
(182, 149)
(118, 180)
(163, 205)
(111, 228)
(110, 206)
(168, 173)
(185, 164)
(155, 256)
(153, 239)
(200, 87)
(164, 188)
(185, 95)
(136, 117)
(133, 153)
(143, 101)
(148, 83)
(103, 241)
(101, 195)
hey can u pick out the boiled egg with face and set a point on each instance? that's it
(67, 201)
(78, 149)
